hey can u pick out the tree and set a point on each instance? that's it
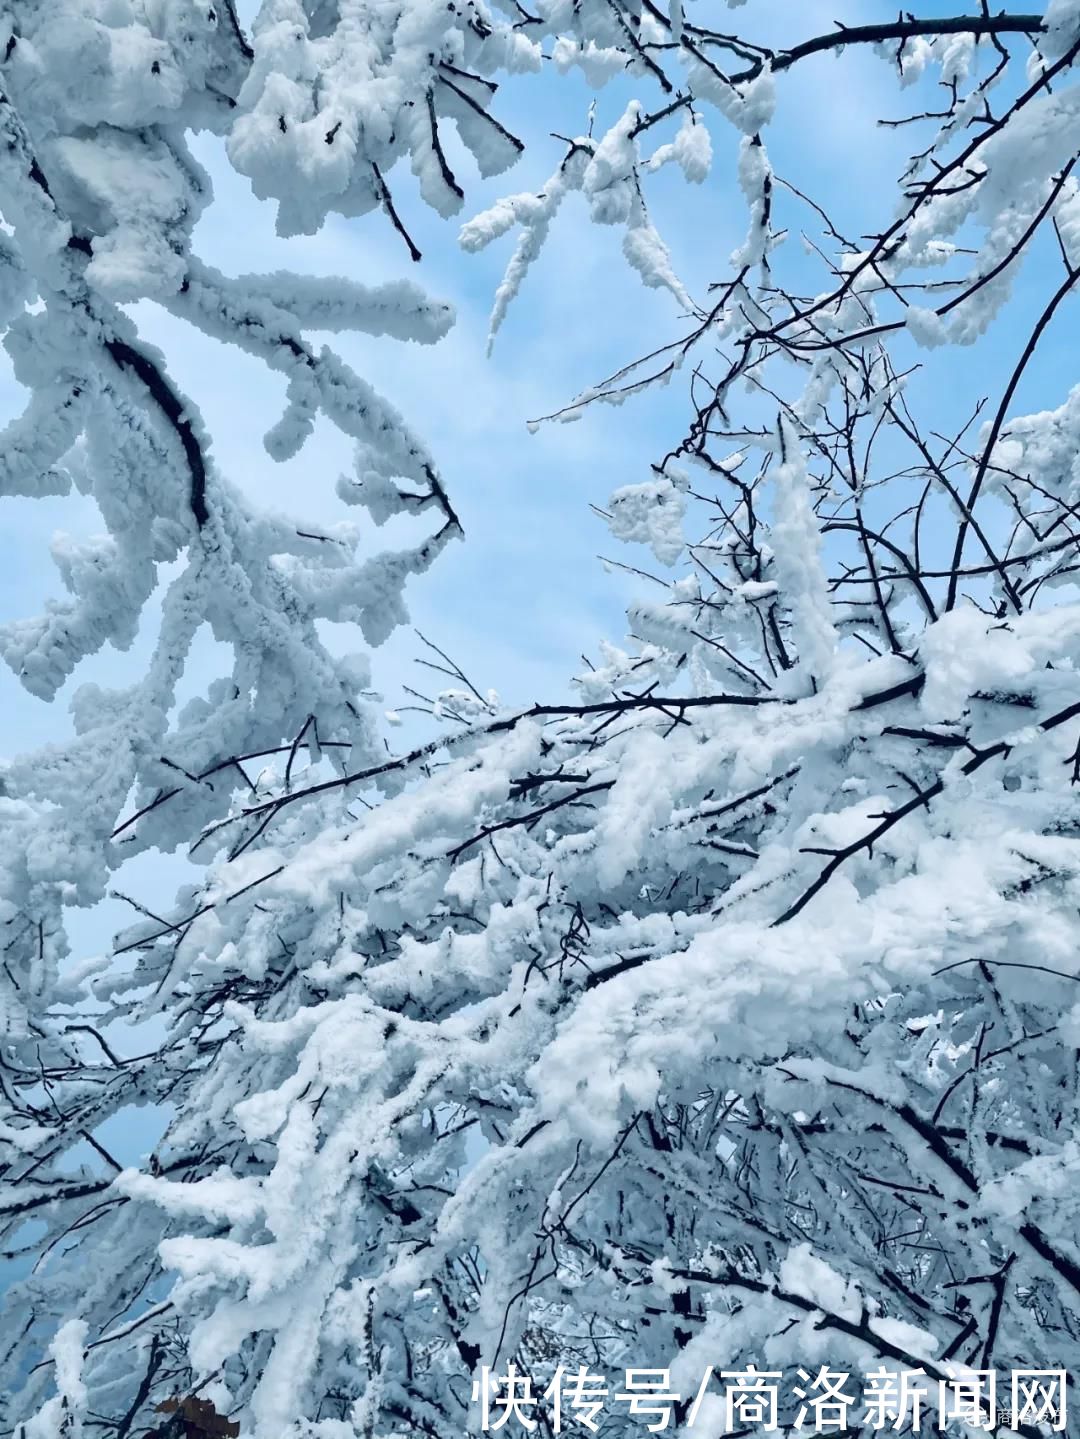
(723, 1015)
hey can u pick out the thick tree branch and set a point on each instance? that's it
(903, 29)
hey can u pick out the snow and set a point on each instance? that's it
(797, 562)
(675, 1007)
(803, 1272)
(652, 514)
(61, 1417)
(1062, 22)
(926, 326)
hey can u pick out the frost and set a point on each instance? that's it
(726, 1002)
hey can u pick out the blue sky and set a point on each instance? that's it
(520, 600)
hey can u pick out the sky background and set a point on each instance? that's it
(520, 600)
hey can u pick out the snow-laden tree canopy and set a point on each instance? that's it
(99, 197)
(724, 1013)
